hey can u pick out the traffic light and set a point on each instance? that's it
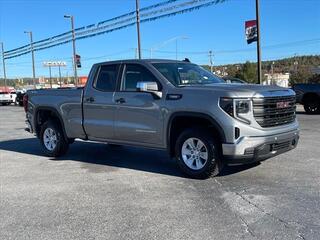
(78, 61)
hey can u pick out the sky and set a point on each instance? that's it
(288, 28)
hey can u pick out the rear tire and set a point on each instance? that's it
(312, 105)
(198, 155)
(52, 139)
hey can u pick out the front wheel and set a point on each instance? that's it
(312, 106)
(197, 153)
(52, 139)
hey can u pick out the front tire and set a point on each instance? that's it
(312, 106)
(52, 139)
(197, 153)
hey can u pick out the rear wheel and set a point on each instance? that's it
(197, 154)
(52, 139)
(312, 105)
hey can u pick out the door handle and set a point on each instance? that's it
(120, 100)
(90, 99)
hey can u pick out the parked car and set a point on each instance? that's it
(170, 105)
(19, 99)
(309, 96)
(6, 98)
(234, 80)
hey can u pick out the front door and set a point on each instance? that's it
(138, 117)
(98, 104)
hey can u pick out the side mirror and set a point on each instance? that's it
(150, 87)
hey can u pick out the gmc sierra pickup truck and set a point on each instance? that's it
(176, 106)
(309, 96)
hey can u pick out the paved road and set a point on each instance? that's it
(98, 192)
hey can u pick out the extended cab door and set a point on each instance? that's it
(98, 104)
(138, 117)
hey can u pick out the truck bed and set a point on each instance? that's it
(66, 101)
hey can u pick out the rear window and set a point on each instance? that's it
(107, 78)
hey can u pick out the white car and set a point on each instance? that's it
(7, 98)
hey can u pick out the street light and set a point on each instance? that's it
(74, 49)
(32, 54)
(4, 67)
(166, 42)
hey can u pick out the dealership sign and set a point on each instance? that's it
(251, 31)
(55, 64)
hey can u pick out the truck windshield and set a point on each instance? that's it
(184, 74)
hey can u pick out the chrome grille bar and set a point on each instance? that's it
(268, 113)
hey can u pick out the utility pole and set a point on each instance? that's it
(4, 67)
(210, 60)
(258, 42)
(136, 53)
(295, 63)
(138, 27)
(60, 77)
(73, 48)
(32, 55)
(50, 79)
(272, 72)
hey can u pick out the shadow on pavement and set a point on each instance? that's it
(93, 154)
(239, 168)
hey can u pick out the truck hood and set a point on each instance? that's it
(243, 90)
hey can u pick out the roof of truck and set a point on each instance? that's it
(145, 61)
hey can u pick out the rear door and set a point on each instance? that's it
(138, 117)
(98, 104)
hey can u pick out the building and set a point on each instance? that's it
(82, 80)
(279, 79)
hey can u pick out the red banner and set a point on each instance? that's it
(251, 31)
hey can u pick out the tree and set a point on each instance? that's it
(248, 73)
(302, 75)
(315, 78)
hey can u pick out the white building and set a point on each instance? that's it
(279, 79)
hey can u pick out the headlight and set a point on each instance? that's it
(237, 108)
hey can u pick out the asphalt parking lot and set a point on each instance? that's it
(99, 192)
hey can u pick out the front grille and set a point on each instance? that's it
(274, 111)
(279, 146)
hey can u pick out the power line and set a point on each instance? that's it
(87, 32)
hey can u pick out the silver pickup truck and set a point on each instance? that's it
(176, 106)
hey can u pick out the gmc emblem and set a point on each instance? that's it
(283, 104)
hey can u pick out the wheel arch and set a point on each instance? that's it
(49, 113)
(170, 139)
(310, 95)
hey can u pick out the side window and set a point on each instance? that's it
(107, 78)
(135, 73)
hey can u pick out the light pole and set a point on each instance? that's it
(258, 41)
(211, 62)
(32, 54)
(166, 42)
(50, 79)
(60, 76)
(138, 27)
(4, 67)
(74, 49)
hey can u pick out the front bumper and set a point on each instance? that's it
(252, 149)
